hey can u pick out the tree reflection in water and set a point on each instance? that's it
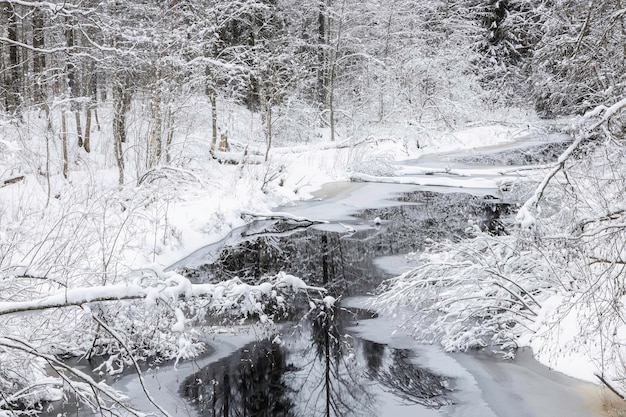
(329, 379)
(249, 382)
(320, 370)
(394, 370)
(343, 263)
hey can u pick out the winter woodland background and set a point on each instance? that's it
(120, 118)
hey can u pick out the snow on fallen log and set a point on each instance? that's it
(324, 146)
(75, 297)
(280, 215)
(224, 295)
(435, 181)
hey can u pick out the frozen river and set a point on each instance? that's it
(350, 361)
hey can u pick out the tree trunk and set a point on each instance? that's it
(381, 90)
(623, 34)
(169, 122)
(119, 125)
(13, 83)
(48, 183)
(168, 139)
(224, 147)
(87, 143)
(213, 100)
(91, 107)
(156, 139)
(267, 105)
(39, 59)
(79, 128)
(322, 62)
(331, 110)
(95, 116)
(126, 98)
(64, 145)
(333, 72)
(72, 82)
(210, 92)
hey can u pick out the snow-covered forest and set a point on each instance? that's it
(134, 132)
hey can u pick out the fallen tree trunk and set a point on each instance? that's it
(12, 181)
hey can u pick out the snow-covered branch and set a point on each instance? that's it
(149, 316)
(91, 393)
(54, 7)
(75, 297)
(475, 293)
(222, 295)
(605, 114)
(67, 49)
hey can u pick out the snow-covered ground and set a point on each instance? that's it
(180, 209)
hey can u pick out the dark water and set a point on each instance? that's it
(320, 367)
(343, 262)
(539, 154)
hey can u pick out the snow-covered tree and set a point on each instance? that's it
(556, 282)
(579, 62)
(510, 31)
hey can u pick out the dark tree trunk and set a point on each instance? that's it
(119, 125)
(66, 163)
(87, 142)
(213, 100)
(321, 59)
(72, 82)
(39, 59)
(13, 99)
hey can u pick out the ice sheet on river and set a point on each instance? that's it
(484, 385)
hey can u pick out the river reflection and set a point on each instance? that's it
(317, 369)
(249, 382)
(343, 261)
(320, 366)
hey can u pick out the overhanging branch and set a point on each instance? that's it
(607, 113)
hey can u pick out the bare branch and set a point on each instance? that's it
(103, 389)
(135, 365)
(610, 386)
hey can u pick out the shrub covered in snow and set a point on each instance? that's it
(474, 293)
(555, 283)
